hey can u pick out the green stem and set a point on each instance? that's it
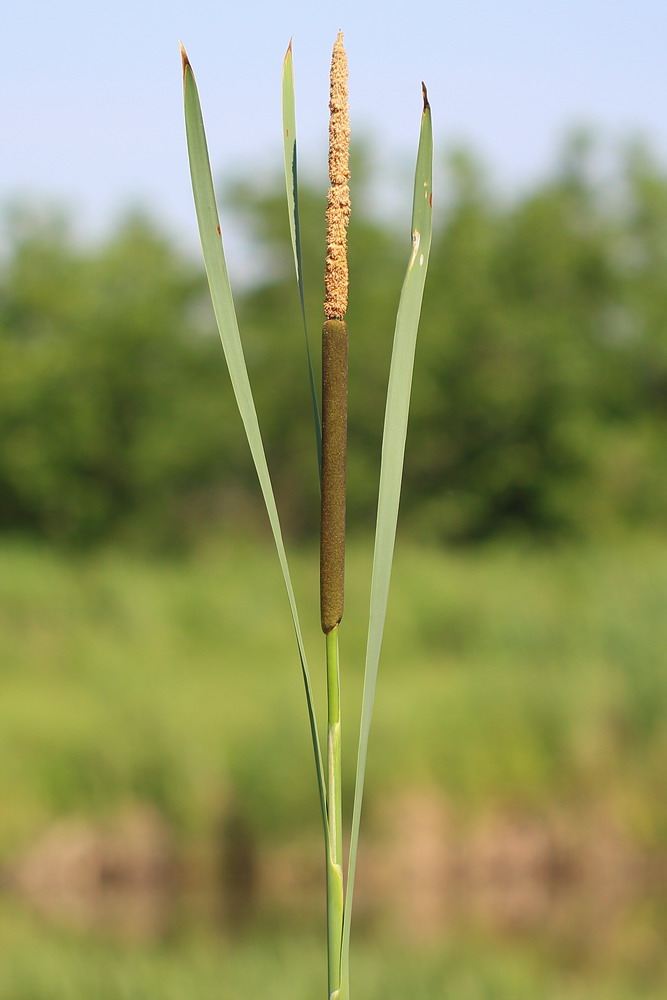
(335, 894)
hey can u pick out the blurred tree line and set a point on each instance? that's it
(540, 395)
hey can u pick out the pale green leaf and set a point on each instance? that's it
(292, 188)
(225, 314)
(391, 474)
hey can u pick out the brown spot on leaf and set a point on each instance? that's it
(217, 229)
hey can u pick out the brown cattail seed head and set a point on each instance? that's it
(334, 449)
(338, 198)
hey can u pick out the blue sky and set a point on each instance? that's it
(92, 92)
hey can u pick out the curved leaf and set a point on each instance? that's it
(225, 314)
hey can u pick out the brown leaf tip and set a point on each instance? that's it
(184, 58)
(289, 50)
(425, 96)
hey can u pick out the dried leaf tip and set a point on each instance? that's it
(184, 58)
(425, 96)
(288, 53)
(338, 198)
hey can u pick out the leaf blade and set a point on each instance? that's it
(391, 473)
(225, 314)
(292, 191)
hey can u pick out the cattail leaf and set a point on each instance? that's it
(225, 314)
(391, 471)
(292, 189)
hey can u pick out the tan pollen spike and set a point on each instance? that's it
(338, 198)
(334, 351)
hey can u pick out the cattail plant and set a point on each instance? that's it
(330, 436)
(334, 449)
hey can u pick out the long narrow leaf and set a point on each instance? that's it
(225, 314)
(391, 474)
(291, 184)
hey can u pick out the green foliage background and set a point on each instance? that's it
(516, 676)
(540, 397)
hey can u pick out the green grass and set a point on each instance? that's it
(42, 964)
(529, 677)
